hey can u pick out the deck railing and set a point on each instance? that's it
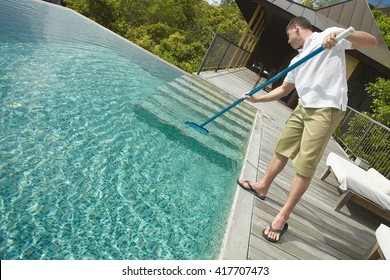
(362, 137)
(223, 54)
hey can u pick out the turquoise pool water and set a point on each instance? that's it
(82, 174)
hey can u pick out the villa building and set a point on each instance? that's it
(266, 41)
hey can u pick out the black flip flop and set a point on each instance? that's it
(251, 189)
(281, 231)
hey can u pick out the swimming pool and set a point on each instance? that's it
(87, 170)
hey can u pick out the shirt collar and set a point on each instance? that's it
(307, 41)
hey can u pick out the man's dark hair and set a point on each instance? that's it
(301, 21)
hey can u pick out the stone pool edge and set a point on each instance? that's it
(235, 243)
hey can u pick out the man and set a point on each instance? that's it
(322, 89)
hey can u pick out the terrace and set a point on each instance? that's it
(316, 231)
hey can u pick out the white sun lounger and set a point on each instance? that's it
(355, 181)
(381, 248)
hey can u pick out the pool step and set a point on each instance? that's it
(214, 100)
(186, 99)
(238, 121)
(208, 90)
(160, 112)
(236, 133)
(218, 99)
(210, 105)
(159, 118)
(202, 112)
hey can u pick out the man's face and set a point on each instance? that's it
(293, 38)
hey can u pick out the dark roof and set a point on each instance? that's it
(354, 13)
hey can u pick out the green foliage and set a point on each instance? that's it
(98, 10)
(180, 52)
(383, 22)
(228, 2)
(380, 91)
(368, 140)
(150, 35)
(365, 139)
(317, 4)
(178, 31)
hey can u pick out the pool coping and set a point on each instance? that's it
(235, 243)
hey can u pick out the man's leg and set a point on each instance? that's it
(277, 163)
(319, 126)
(287, 147)
(299, 186)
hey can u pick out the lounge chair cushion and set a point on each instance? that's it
(371, 185)
(378, 180)
(382, 235)
(346, 172)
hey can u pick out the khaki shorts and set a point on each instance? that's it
(306, 135)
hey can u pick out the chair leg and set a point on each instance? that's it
(326, 173)
(343, 200)
(373, 252)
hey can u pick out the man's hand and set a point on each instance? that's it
(249, 98)
(330, 41)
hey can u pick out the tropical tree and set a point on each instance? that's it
(380, 91)
(179, 31)
(383, 22)
(317, 4)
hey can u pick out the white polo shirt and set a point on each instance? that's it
(321, 81)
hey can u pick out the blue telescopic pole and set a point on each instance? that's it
(200, 127)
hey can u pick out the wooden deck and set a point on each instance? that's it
(315, 231)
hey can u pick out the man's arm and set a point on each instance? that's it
(274, 94)
(359, 39)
